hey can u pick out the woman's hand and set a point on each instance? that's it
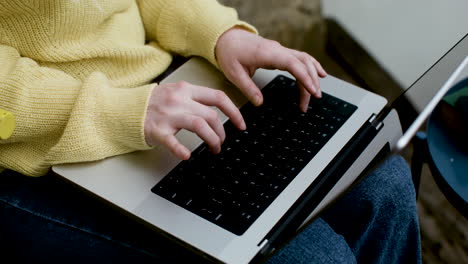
(240, 53)
(185, 106)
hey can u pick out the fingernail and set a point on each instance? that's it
(186, 155)
(319, 93)
(258, 100)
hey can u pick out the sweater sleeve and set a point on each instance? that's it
(60, 119)
(188, 27)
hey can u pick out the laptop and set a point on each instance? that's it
(267, 183)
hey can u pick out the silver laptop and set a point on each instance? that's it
(233, 225)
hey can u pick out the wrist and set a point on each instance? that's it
(229, 36)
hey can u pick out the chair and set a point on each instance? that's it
(444, 147)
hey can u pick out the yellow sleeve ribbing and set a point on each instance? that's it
(188, 27)
(60, 119)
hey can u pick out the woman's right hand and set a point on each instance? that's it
(181, 105)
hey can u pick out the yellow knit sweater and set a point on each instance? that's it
(76, 73)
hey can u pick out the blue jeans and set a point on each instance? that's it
(47, 220)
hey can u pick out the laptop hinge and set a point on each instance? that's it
(262, 244)
(375, 122)
(310, 199)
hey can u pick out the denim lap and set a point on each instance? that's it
(45, 219)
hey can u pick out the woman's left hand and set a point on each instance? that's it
(240, 53)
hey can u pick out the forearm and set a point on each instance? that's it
(60, 119)
(189, 28)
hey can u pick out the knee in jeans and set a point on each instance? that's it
(391, 185)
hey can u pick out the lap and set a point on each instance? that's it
(52, 213)
(317, 243)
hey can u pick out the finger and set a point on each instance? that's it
(311, 68)
(315, 77)
(171, 142)
(321, 71)
(285, 59)
(313, 73)
(219, 99)
(211, 117)
(244, 82)
(199, 126)
(304, 99)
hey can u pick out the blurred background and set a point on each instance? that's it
(382, 46)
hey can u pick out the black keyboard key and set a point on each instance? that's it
(346, 109)
(233, 188)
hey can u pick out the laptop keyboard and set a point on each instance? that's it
(233, 188)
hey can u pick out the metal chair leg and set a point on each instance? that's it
(418, 159)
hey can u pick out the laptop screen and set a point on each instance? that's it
(417, 103)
